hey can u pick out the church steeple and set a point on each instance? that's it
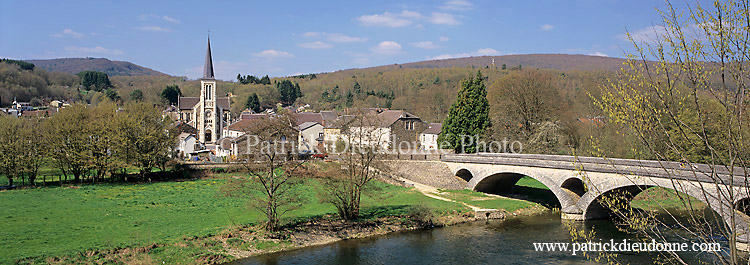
(208, 68)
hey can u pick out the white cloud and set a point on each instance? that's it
(387, 19)
(444, 38)
(341, 38)
(443, 19)
(315, 45)
(68, 33)
(334, 37)
(407, 18)
(170, 19)
(479, 52)
(425, 45)
(457, 5)
(647, 34)
(154, 28)
(598, 53)
(547, 27)
(387, 47)
(271, 54)
(84, 51)
(145, 17)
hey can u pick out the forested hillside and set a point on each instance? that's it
(76, 65)
(563, 62)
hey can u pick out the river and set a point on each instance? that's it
(492, 242)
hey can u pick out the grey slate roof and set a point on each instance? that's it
(306, 125)
(434, 128)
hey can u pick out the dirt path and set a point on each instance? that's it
(433, 192)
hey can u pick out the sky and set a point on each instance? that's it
(282, 38)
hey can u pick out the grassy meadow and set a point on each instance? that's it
(57, 221)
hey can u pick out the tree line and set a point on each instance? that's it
(83, 140)
(251, 79)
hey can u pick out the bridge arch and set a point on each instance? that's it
(593, 209)
(504, 181)
(574, 185)
(464, 174)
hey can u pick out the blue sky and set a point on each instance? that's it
(281, 38)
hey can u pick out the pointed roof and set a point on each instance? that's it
(208, 68)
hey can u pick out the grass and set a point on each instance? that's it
(57, 221)
(657, 198)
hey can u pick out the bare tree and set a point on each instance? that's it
(273, 170)
(365, 139)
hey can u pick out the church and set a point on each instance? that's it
(207, 113)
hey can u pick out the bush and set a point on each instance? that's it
(422, 215)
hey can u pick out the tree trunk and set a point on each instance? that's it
(10, 181)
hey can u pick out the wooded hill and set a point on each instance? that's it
(425, 88)
(562, 62)
(111, 68)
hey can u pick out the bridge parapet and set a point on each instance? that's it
(645, 168)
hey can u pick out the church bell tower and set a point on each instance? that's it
(208, 118)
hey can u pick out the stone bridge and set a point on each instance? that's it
(578, 182)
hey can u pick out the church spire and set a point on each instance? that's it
(208, 69)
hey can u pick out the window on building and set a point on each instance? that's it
(409, 125)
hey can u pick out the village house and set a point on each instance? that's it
(186, 146)
(429, 137)
(387, 128)
(310, 138)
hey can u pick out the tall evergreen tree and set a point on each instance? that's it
(265, 80)
(253, 103)
(357, 89)
(349, 99)
(468, 116)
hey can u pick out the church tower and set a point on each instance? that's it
(208, 120)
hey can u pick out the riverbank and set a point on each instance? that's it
(242, 242)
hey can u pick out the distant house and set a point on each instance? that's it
(58, 104)
(22, 106)
(240, 127)
(332, 131)
(39, 113)
(310, 138)
(389, 128)
(428, 138)
(224, 148)
(186, 145)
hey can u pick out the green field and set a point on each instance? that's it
(59, 221)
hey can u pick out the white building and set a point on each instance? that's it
(310, 139)
(186, 145)
(429, 138)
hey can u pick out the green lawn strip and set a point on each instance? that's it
(62, 221)
(656, 198)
